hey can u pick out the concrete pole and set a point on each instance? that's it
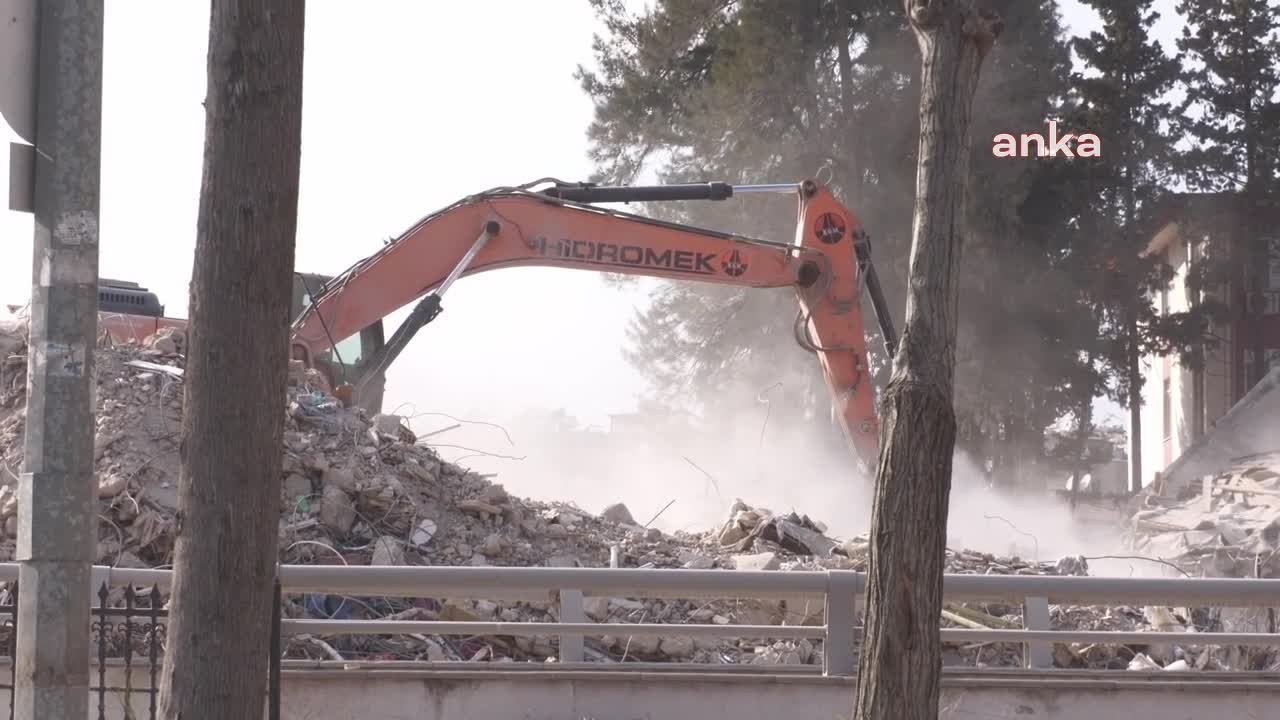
(57, 493)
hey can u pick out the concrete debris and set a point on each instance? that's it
(596, 607)
(387, 550)
(337, 512)
(361, 490)
(762, 561)
(1142, 662)
(111, 485)
(424, 532)
(617, 513)
(679, 647)
(1226, 525)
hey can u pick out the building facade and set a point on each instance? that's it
(1180, 404)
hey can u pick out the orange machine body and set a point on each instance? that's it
(515, 227)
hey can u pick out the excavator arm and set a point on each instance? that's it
(827, 263)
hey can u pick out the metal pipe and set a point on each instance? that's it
(543, 583)
(881, 307)
(538, 583)
(641, 193)
(776, 188)
(316, 668)
(489, 232)
(862, 250)
(529, 629)
(1073, 590)
(1108, 637)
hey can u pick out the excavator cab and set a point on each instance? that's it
(345, 363)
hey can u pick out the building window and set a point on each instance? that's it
(1273, 360)
(1273, 253)
(1167, 420)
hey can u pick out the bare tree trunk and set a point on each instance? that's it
(901, 659)
(1084, 428)
(1135, 400)
(237, 366)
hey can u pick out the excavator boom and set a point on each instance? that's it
(827, 263)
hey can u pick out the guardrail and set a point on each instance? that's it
(839, 592)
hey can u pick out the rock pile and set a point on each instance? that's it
(1227, 526)
(362, 490)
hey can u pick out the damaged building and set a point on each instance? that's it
(1182, 406)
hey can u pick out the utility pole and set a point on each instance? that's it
(57, 493)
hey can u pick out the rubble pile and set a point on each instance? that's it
(361, 490)
(1228, 526)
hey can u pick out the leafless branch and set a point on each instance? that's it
(664, 509)
(708, 475)
(464, 421)
(1162, 561)
(433, 433)
(480, 452)
(1019, 531)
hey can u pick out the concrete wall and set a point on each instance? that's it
(551, 695)
(1159, 450)
(1219, 396)
(536, 694)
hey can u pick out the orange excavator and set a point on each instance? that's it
(561, 225)
(338, 320)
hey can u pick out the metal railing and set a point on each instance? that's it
(123, 635)
(839, 593)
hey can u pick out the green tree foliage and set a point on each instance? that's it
(770, 90)
(1124, 95)
(775, 90)
(1232, 53)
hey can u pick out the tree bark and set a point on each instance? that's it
(901, 660)
(1134, 363)
(1084, 427)
(216, 656)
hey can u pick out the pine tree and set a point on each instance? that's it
(775, 89)
(1124, 98)
(1233, 118)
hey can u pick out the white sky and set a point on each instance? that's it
(408, 106)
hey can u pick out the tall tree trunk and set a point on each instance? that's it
(1253, 197)
(1135, 400)
(1084, 427)
(237, 368)
(901, 659)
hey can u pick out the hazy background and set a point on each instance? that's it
(409, 106)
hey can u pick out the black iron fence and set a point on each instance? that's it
(128, 631)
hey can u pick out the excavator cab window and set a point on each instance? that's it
(351, 351)
(347, 366)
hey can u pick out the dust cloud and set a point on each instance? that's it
(684, 473)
